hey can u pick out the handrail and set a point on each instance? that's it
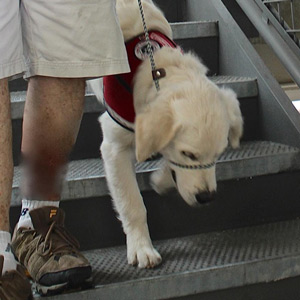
(292, 31)
(275, 35)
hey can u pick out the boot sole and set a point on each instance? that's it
(73, 279)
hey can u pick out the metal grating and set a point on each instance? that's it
(243, 87)
(247, 150)
(86, 178)
(257, 158)
(18, 102)
(196, 29)
(200, 263)
(257, 149)
(202, 251)
(222, 79)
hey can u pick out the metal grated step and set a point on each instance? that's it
(195, 29)
(198, 264)
(257, 158)
(86, 178)
(18, 101)
(243, 87)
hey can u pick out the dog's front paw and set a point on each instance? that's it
(140, 250)
(144, 257)
(161, 180)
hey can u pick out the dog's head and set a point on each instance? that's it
(190, 125)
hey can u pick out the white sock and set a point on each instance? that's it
(27, 206)
(5, 250)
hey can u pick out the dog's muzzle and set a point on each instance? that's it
(202, 198)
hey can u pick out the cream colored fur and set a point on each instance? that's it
(189, 113)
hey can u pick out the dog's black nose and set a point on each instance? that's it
(205, 197)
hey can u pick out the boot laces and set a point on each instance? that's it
(65, 244)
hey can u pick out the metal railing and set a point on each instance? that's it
(288, 23)
(267, 17)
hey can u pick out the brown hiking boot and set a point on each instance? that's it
(14, 285)
(49, 253)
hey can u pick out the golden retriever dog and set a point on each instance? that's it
(189, 121)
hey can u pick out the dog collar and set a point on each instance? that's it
(193, 167)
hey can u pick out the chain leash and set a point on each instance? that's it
(155, 73)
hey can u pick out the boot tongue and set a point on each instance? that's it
(43, 217)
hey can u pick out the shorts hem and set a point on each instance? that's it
(10, 69)
(77, 69)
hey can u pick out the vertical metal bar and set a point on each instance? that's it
(293, 20)
(292, 13)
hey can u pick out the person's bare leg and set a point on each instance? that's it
(52, 117)
(6, 160)
(6, 176)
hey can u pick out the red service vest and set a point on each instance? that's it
(118, 95)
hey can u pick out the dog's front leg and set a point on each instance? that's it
(121, 179)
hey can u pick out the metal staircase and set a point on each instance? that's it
(244, 244)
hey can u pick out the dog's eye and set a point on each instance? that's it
(189, 155)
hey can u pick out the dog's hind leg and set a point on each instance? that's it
(118, 155)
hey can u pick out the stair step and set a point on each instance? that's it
(202, 38)
(89, 137)
(18, 102)
(198, 264)
(196, 29)
(243, 86)
(85, 178)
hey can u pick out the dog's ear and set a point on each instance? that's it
(235, 117)
(154, 129)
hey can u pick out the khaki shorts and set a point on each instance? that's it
(61, 38)
(11, 50)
